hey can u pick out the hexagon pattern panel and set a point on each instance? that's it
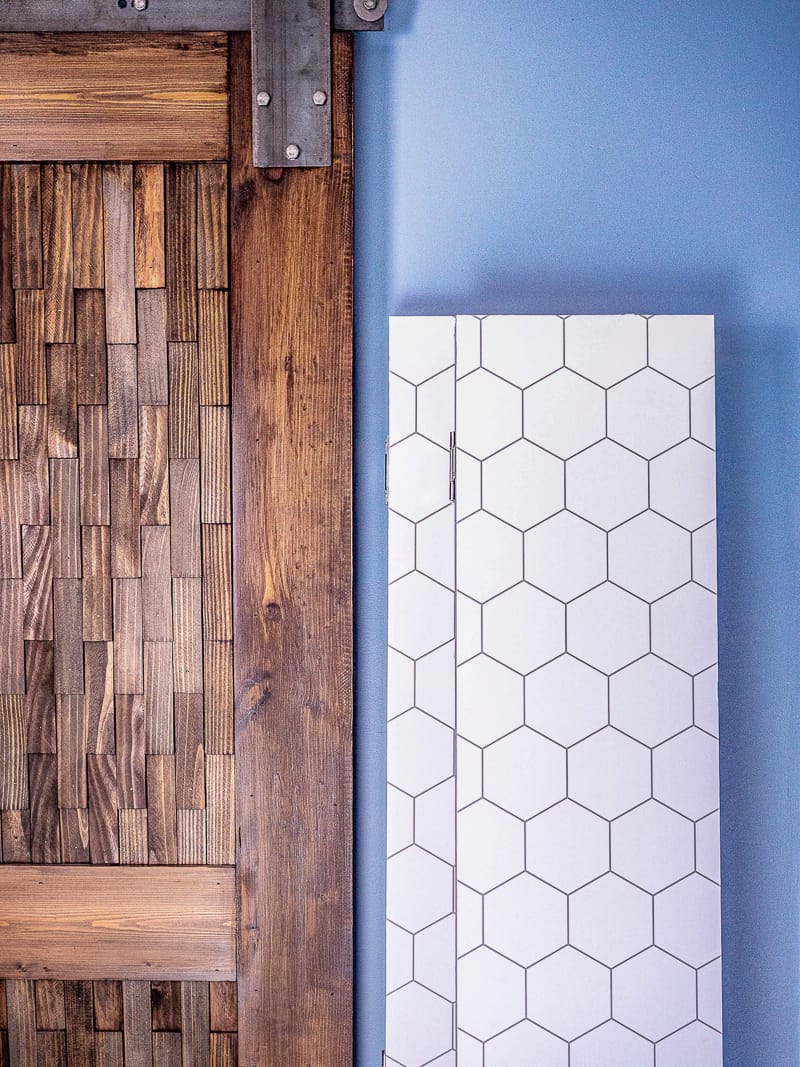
(553, 888)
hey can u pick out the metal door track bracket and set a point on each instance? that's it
(291, 41)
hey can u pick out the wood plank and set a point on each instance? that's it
(8, 328)
(87, 226)
(50, 1006)
(165, 998)
(12, 649)
(187, 627)
(13, 753)
(213, 340)
(158, 689)
(126, 551)
(120, 287)
(138, 1045)
(156, 584)
(161, 810)
(93, 437)
(103, 821)
(51, 1048)
(15, 828)
(62, 415)
(108, 1004)
(59, 306)
(192, 836)
(181, 252)
(154, 464)
(90, 338)
(65, 517)
(215, 464)
(190, 785)
(108, 1049)
(221, 824)
(184, 436)
(79, 1012)
(21, 1006)
(98, 658)
(128, 667)
(96, 585)
(222, 1003)
(152, 317)
(148, 225)
(33, 483)
(37, 571)
(45, 826)
(176, 923)
(131, 781)
(67, 636)
(123, 414)
(74, 835)
(217, 583)
(143, 96)
(40, 697)
(224, 1050)
(26, 226)
(212, 226)
(72, 727)
(167, 1050)
(184, 491)
(8, 402)
(10, 549)
(30, 347)
(133, 838)
(195, 1036)
(218, 696)
(291, 410)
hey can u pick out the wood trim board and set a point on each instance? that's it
(82, 922)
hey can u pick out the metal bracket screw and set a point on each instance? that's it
(292, 151)
(370, 5)
(320, 98)
(263, 99)
(140, 5)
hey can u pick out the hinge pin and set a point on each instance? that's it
(320, 98)
(292, 151)
(140, 5)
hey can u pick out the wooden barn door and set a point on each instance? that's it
(175, 586)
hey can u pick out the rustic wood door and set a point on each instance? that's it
(175, 587)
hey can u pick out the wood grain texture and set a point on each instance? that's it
(21, 1001)
(59, 305)
(291, 408)
(113, 96)
(87, 226)
(8, 329)
(148, 206)
(139, 923)
(118, 253)
(26, 226)
(90, 336)
(108, 1005)
(181, 252)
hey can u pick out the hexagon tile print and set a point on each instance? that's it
(553, 822)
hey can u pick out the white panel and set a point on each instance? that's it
(582, 667)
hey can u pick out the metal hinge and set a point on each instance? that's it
(452, 467)
(386, 471)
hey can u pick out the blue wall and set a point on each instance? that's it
(547, 156)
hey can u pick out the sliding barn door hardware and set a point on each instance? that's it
(291, 48)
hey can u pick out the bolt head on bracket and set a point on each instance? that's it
(370, 10)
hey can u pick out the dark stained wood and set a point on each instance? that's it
(13, 753)
(74, 835)
(190, 788)
(187, 626)
(143, 96)
(8, 331)
(68, 636)
(8, 402)
(30, 347)
(26, 226)
(130, 750)
(10, 554)
(21, 1007)
(93, 455)
(192, 836)
(41, 705)
(152, 318)
(144, 922)
(96, 584)
(108, 1049)
(215, 464)
(123, 415)
(90, 336)
(156, 588)
(66, 517)
(220, 822)
(213, 335)
(37, 569)
(184, 489)
(218, 695)
(33, 483)
(103, 806)
(15, 829)
(165, 998)
(133, 836)
(87, 226)
(138, 1024)
(79, 1011)
(148, 205)
(154, 464)
(291, 372)
(98, 658)
(12, 646)
(50, 1006)
(72, 728)
(62, 416)
(119, 257)
(181, 252)
(108, 1004)
(45, 828)
(217, 619)
(128, 666)
(59, 320)
(195, 1016)
(167, 1050)
(158, 688)
(224, 1050)
(222, 1002)
(184, 438)
(51, 1048)
(126, 552)
(161, 808)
